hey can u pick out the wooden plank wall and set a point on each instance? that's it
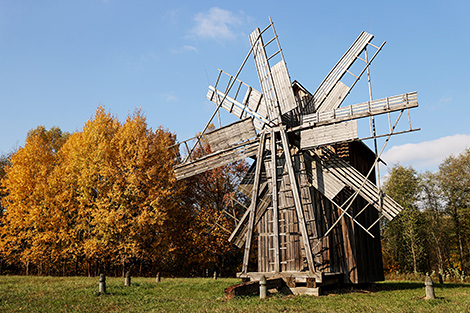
(292, 255)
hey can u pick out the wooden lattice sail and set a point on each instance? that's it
(314, 204)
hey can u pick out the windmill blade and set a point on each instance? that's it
(332, 91)
(231, 135)
(214, 160)
(252, 105)
(328, 134)
(231, 143)
(322, 179)
(361, 110)
(351, 177)
(275, 81)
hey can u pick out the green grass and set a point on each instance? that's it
(80, 294)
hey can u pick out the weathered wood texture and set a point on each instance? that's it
(328, 134)
(264, 74)
(254, 100)
(322, 179)
(351, 177)
(283, 87)
(365, 256)
(292, 253)
(323, 98)
(254, 202)
(216, 159)
(365, 109)
(231, 135)
(240, 110)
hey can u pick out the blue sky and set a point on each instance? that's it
(60, 60)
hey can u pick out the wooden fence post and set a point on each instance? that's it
(429, 288)
(215, 275)
(158, 277)
(127, 279)
(102, 285)
(262, 287)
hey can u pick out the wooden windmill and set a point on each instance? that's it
(315, 207)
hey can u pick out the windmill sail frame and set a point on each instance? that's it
(313, 204)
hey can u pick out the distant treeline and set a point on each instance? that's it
(106, 199)
(432, 233)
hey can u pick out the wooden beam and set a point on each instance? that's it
(274, 202)
(360, 110)
(297, 202)
(254, 200)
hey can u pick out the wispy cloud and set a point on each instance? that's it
(217, 24)
(427, 154)
(184, 49)
(170, 97)
(445, 100)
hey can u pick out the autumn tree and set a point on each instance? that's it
(117, 184)
(4, 162)
(31, 224)
(213, 199)
(106, 198)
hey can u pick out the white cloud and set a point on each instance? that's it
(218, 24)
(184, 49)
(445, 100)
(427, 154)
(170, 97)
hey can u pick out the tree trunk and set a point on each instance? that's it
(459, 238)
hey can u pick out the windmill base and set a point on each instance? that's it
(290, 283)
(296, 278)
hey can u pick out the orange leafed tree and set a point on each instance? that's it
(31, 224)
(117, 182)
(106, 199)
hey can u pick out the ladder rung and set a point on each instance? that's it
(274, 55)
(266, 44)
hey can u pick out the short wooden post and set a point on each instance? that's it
(429, 288)
(127, 279)
(215, 275)
(262, 287)
(158, 277)
(102, 285)
(207, 272)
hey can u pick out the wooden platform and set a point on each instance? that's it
(291, 283)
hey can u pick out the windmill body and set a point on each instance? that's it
(315, 207)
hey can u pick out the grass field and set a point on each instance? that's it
(80, 294)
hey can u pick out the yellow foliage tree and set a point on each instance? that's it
(116, 182)
(30, 223)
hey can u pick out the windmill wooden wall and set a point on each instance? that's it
(348, 249)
